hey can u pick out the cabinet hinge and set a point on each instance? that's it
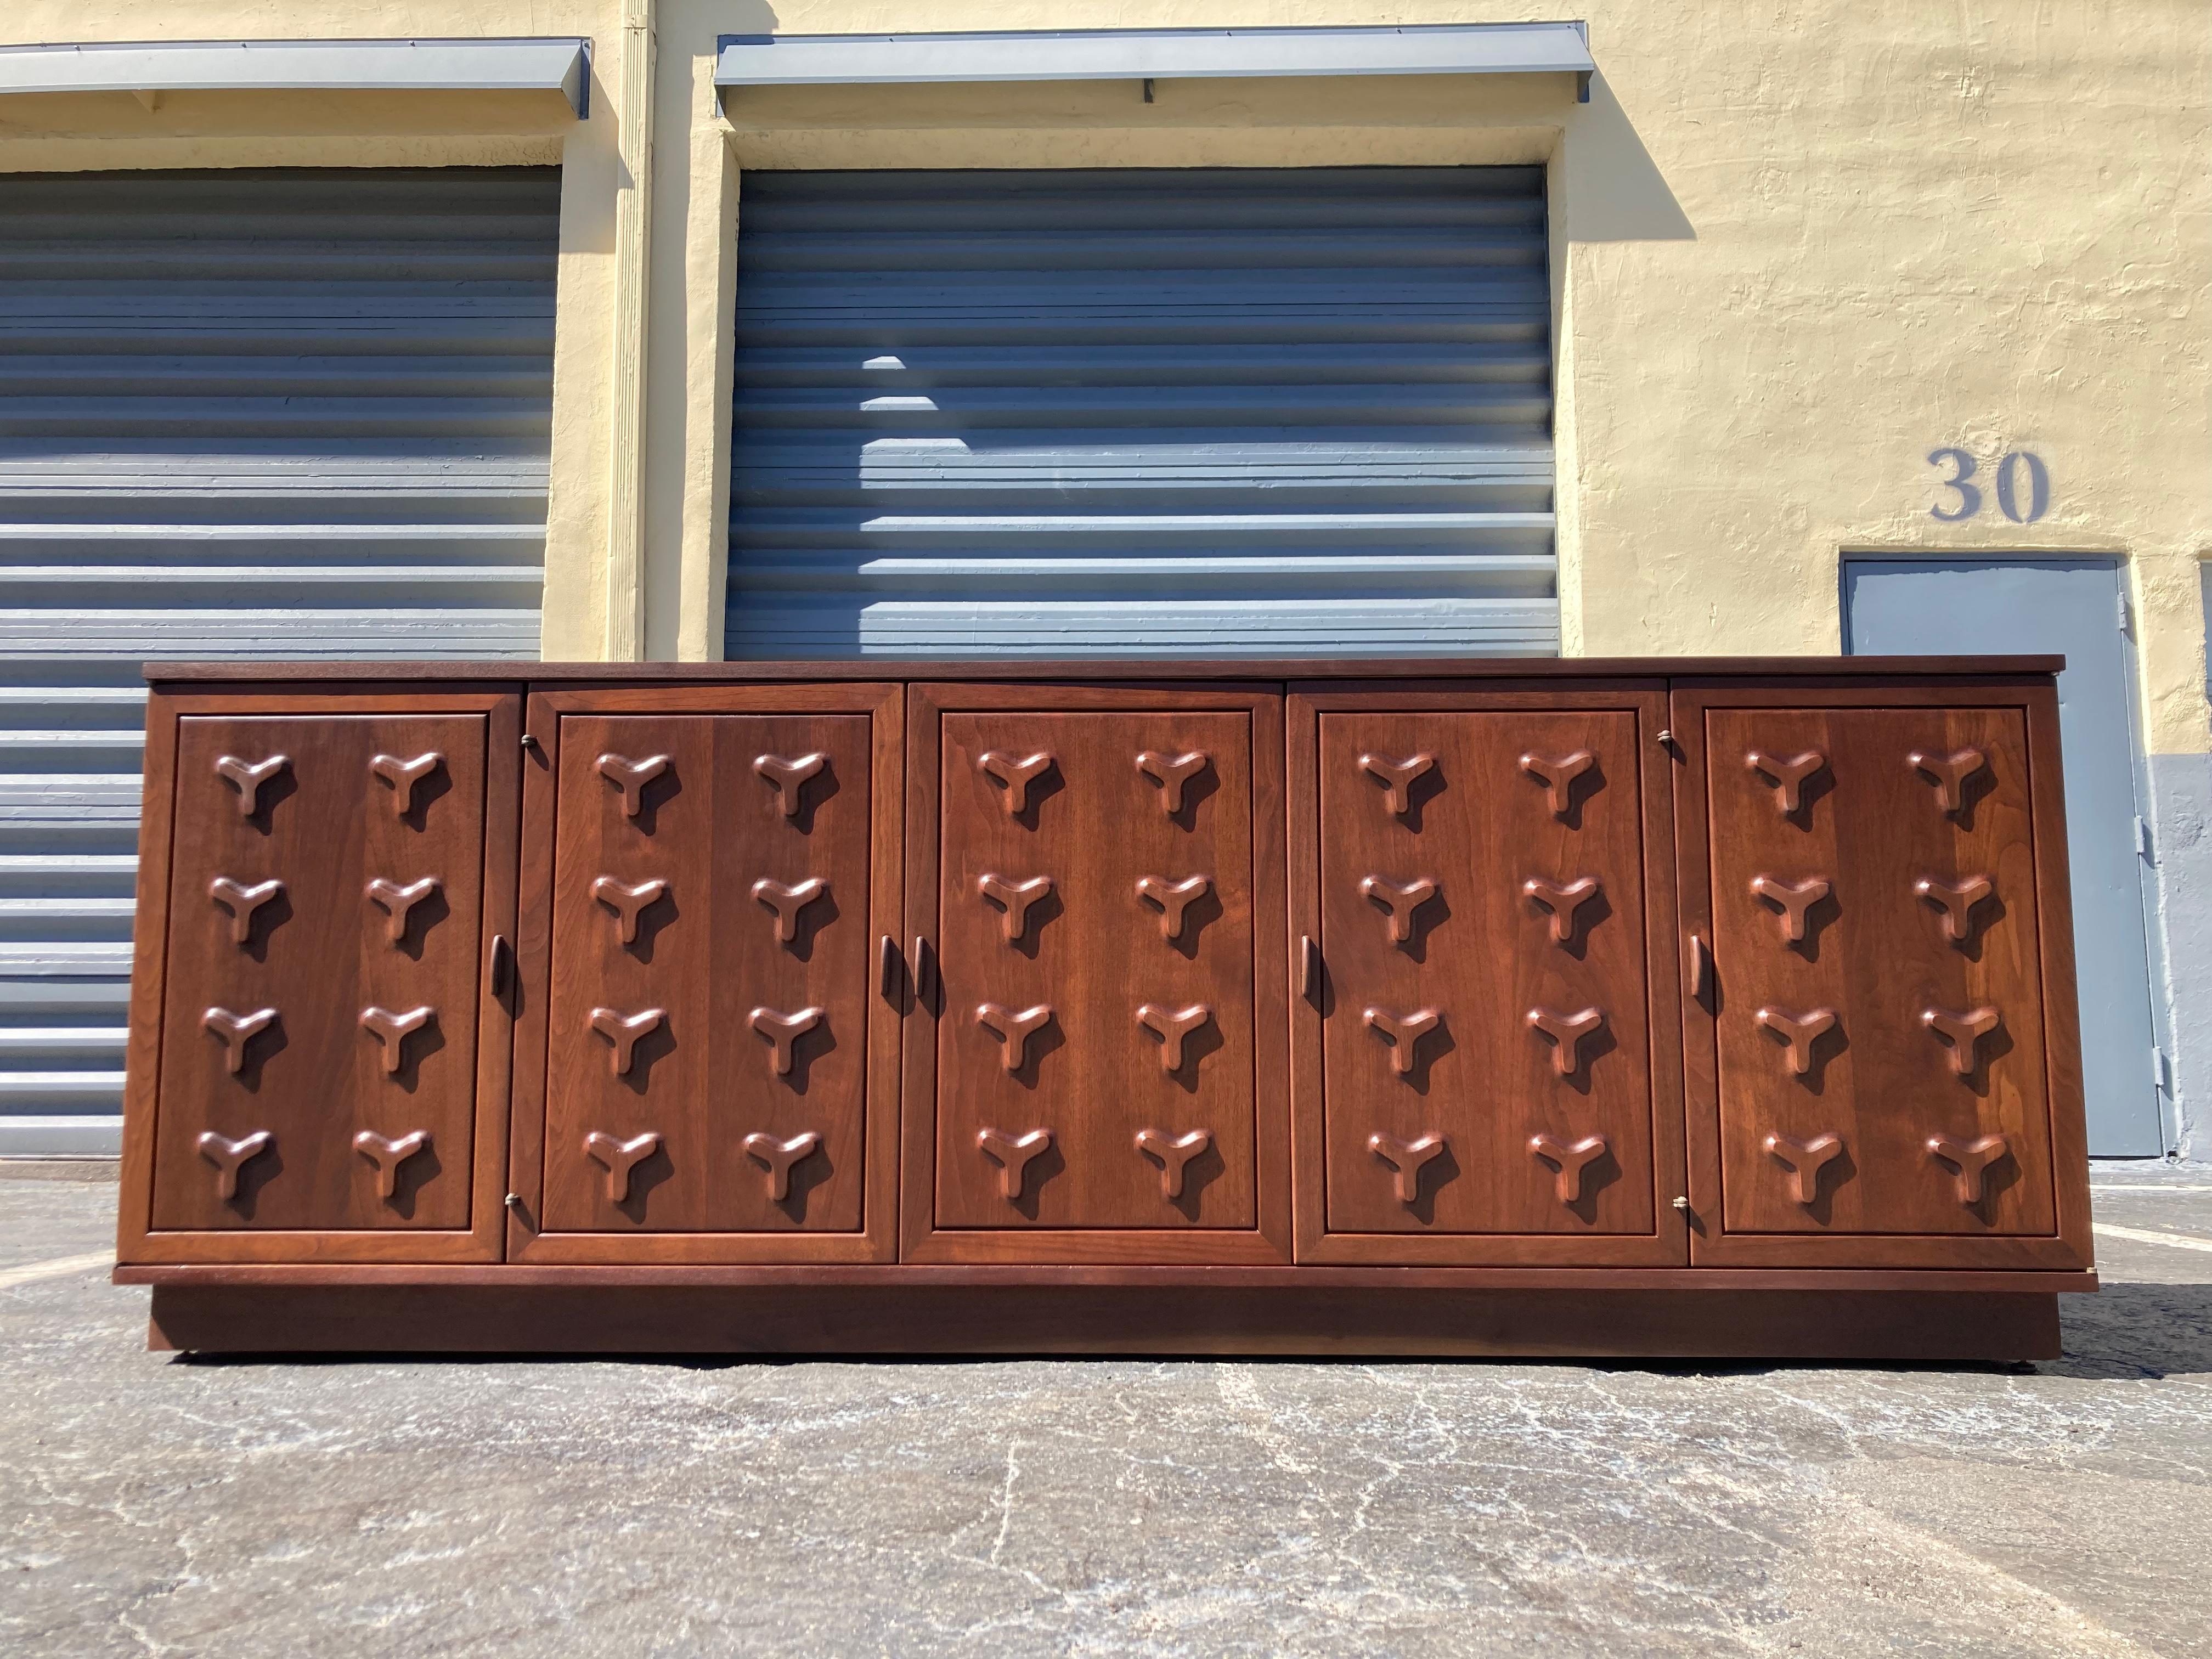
(2162, 1072)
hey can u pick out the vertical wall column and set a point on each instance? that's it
(625, 564)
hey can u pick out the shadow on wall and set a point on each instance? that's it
(1613, 190)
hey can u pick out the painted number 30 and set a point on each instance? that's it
(2018, 468)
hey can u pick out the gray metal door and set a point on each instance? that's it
(1948, 606)
(288, 413)
(1216, 411)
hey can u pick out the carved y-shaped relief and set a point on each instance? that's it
(1014, 1153)
(1963, 1032)
(1972, 1160)
(247, 778)
(404, 776)
(1408, 1158)
(1400, 899)
(1172, 773)
(1175, 1153)
(1172, 1026)
(1013, 1030)
(399, 903)
(242, 902)
(790, 776)
(789, 902)
(1805, 1160)
(1800, 1031)
(630, 777)
(1173, 897)
(388, 1155)
(229, 1157)
(1017, 773)
(1957, 899)
(628, 902)
(1397, 777)
(624, 1031)
(1572, 1159)
(1563, 901)
(621, 1157)
(237, 1030)
(780, 1156)
(1568, 1033)
(392, 1030)
(1558, 773)
(1016, 897)
(1948, 772)
(1789, 772)
(1793, 899)
(1403, 1032)
(783, 1031)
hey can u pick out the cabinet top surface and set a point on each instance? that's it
(1095, 671)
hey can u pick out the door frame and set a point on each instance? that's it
(2069, 1248)
(1269, 1241)
(877, 1238)
(501, 708)
(1668, 1244)
(2148, 880)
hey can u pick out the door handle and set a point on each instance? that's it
(888, 975)
(922, 966)
(502, 961)
(1701, 967)
(1308, 968)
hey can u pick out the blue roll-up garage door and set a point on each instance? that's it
(292, 413)
(1216, 411)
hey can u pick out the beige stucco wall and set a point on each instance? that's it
(1801, 245)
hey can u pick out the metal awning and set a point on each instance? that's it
(812, 60)
(561, 65)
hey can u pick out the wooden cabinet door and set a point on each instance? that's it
(1096, 1074)
(714, 881)
(1485, 1035)
(1883, 1067)
(318, 1064)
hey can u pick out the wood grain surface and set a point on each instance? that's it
(772, 1062)
(1823, 1092)
(1505, 1113)
(333, 872)
(1173, 1036)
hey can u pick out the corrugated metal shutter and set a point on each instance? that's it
(1218, 411)
(288, 413)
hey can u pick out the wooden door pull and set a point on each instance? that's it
(1013, 1154)
(780, 1156)
(1175, 1153)
(1701, 967)
(1408, 1158)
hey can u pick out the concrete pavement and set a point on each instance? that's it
(153, 1504)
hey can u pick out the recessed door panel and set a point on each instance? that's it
(1095, 934)
(1482, 1003)
(1881, 1073)
(1880, 1026)
(711, 990)
(1486, 962)
(325, 914)
(1103, 870)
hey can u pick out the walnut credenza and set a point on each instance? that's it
(1711, 1008)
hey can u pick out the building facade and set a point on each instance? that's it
(680, 329)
